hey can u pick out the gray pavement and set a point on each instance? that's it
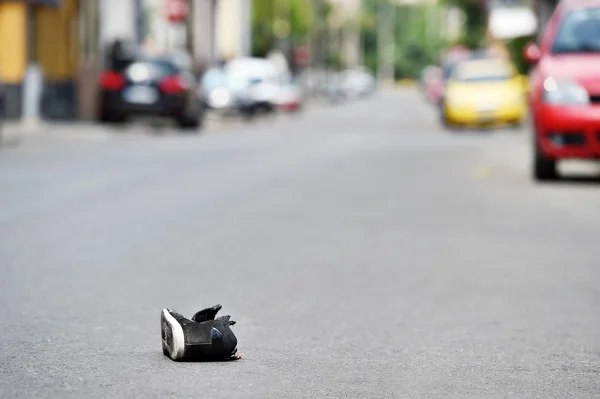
(364, 253)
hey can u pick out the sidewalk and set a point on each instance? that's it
(13, 133)
(17, 133)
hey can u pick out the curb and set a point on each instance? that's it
(9, 139)
(14, 133)
(406, 83)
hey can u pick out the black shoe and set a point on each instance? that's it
(203, 338)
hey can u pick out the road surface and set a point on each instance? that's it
(364, 252)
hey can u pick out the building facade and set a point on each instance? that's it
(215, 30)
(43, 34)
(234, 28)
(51, 51)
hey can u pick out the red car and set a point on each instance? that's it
(564, 93)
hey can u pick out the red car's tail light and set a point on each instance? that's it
(111, 80)
(172, 85)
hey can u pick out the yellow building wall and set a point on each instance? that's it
(13, 42)
(56, 36)
(228, 28)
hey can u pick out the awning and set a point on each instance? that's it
(512, 22)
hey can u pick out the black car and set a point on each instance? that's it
(155, 87)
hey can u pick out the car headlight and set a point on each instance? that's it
(219, 97)
(564, 92)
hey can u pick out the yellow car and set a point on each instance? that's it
(486, 92)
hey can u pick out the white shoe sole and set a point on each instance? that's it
(173, 340)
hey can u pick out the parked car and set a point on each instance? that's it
(358, 82)
(333, 88)
(564, 92)
(290, 96)
(216, 91)
(150, 86)
(253, 82)
(487, 91)
(450, 59)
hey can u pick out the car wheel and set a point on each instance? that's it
(190, 121)
(271, 111)
(544, 168)
(189, 124)
(249, 113)
(107, 117)
(102, 117)
(446, 124)
(518, 124)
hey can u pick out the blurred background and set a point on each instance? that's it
(53, 51)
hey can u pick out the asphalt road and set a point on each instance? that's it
(364, 252)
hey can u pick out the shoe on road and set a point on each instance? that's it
(203, 338)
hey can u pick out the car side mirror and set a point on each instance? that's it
(532, 53)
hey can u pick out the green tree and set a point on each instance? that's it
(265, 13)
(475, 21)
(263, 16)
(515, 48)
(418, 41)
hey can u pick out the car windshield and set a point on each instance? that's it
(162, 66)
(150, 69)
(486, 70)
(579, 32)
(238, 81)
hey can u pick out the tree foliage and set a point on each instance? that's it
(475, 21)
(265, 13)
(515, 48)
(418, 39)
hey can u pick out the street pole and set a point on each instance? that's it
(310, 34)
(213, 33)
(246, 39)
(361, 40)
(139, 20)
(282, 23)
(351, 34)
(190, 29)
(313, 45)
(386, 42)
